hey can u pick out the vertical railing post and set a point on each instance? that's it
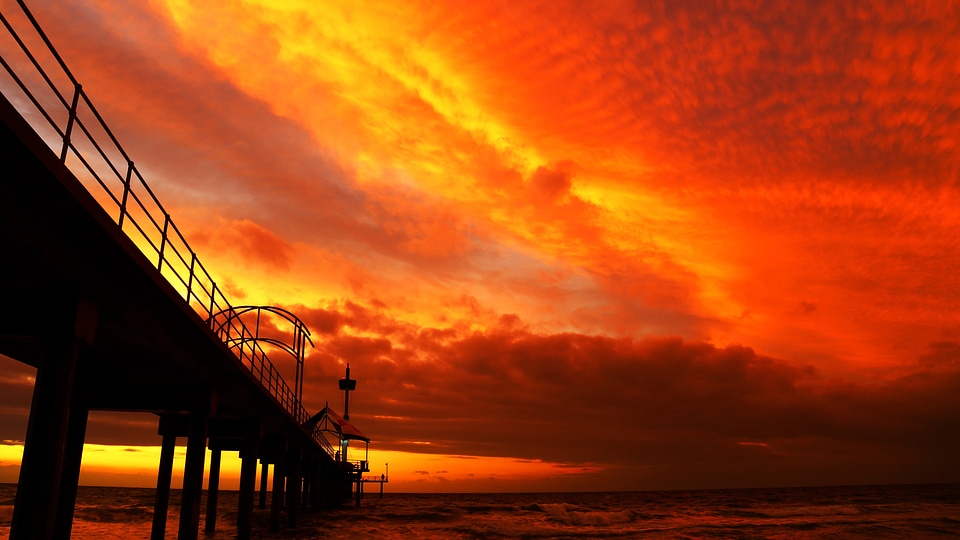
(296, 379)
(126, 193)
(297, 340)
(163, 240)
(70, 121)
(213, 294)
(193, 263)
(300, 354)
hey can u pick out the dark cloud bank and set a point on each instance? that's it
(656, 412)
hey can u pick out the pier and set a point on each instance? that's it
(382, 479)
(103, 295)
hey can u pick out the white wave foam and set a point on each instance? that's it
(572, 514)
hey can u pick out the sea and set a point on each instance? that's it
(895, 511)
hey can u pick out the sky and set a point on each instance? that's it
(564, 245)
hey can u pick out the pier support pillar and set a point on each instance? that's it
(359, 487)
(248, 480)
(76, 432)
(316, 487)
(213, 491)
(276, 502)
(264, 470)
(306, 475)
(164, 472)
(294, 485)
(193, 475)
(345, 485)
(321, 486)
(47, 438)
(170, 427)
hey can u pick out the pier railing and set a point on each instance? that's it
(375, 478)
(52, 100)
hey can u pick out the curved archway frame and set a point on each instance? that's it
(296, 349)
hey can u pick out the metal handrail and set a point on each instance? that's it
(374, 478)
(141, 216)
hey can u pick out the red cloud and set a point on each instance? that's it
(660, 404)
(249, 240)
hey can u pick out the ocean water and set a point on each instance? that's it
(912, 511)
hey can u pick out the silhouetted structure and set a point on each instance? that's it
(105, 297)
(347, 385)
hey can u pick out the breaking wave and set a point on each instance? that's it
(572, 514)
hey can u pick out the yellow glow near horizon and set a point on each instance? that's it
(124, 465)
(136, 466)
(414, 472)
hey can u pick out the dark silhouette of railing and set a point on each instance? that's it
(102, 161)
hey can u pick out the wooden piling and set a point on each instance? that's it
(276, 502)
(248, 477)
(193, 476)
(213, 491)
(47, 437)
(264, 469)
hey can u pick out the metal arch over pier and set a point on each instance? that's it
(103, 295)
(299, 334)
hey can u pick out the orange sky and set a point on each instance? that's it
(625, 244)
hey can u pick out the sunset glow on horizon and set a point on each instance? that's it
(564, 246)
